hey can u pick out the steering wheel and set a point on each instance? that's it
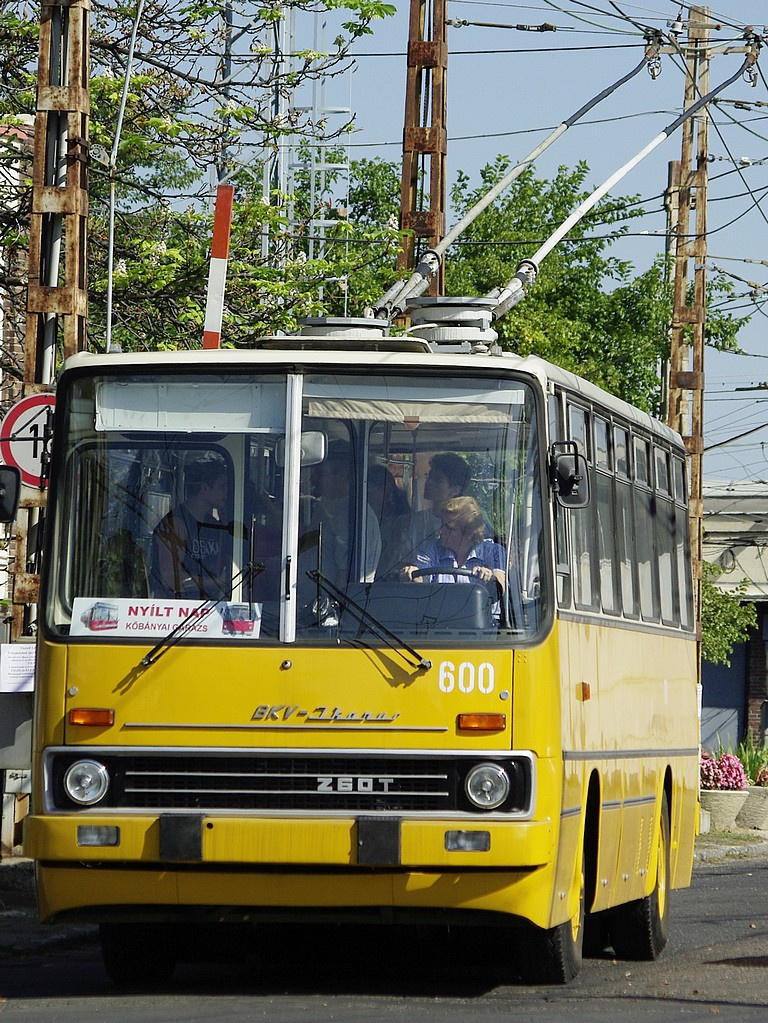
(444, 571)
(494, 587)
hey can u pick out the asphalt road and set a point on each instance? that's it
(716, 965)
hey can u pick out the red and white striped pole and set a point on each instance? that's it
(217, 275)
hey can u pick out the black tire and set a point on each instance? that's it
(137, 953)
(640, 929)
(596, 935)
(554, 955)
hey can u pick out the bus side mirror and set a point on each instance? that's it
(313, 448)
(10, 491)
(569, 475)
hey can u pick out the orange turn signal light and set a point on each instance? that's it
(482, 722)
(100, 717)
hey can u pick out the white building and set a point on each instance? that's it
(735, 699)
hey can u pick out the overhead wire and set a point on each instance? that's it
(623, 15)
(403, 291)
(507, 50)
(738, 170)
(516, 287)
(556, 7)
(637, 25)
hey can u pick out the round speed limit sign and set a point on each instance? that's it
(24, 434)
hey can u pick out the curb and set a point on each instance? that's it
(742, 845)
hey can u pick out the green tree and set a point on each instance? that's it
(726, 617)
(184, 117)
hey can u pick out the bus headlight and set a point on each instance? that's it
(86, 782)
(487, 786)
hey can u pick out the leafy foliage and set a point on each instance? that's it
(184, 117)
(201, 97)
(725, 618)
(754, 757)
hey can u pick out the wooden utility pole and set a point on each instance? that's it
(57, 297)
(57, 284)
(425, 138)
(55, 321)
(687, 202)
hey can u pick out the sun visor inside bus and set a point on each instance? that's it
(231, 406)
(414, 412)
(401, 402)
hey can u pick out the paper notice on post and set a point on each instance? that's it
(17, 667)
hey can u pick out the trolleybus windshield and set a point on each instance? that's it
(416, 498)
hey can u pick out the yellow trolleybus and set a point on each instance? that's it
(280, 723)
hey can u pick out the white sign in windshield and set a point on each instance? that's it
(152, 619)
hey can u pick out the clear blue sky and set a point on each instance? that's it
(506, 87)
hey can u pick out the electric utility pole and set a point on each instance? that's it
(687, 218)
(425, 138)
(55, 329)
(57, 287)
(687, 201)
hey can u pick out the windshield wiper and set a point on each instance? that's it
(393, 641)
(250, 571)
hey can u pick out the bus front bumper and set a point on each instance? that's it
(343, 842)
(253, 870)
(266, 862)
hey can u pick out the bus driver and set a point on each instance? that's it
(460, 545)
(190, 546)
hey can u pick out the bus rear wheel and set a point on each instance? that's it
(137, 953)
(640, 929)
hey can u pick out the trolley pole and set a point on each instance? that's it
(425, 138)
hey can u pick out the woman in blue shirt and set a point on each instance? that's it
(460, 545)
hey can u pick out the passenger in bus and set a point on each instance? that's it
(333, 514)
(448, 477)
(394, 516)
(461, 545)
(191, 546)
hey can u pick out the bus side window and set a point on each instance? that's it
(585, 592)
(645, 546)
(682, 544)
(665, 535)
(625, 530)
(606, 530)
(562, 558)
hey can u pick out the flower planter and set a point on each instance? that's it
(723, 806)
(754, 813)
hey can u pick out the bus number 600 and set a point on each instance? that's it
(465, 677)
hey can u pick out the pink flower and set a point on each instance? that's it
(727, 772)
(709, 773)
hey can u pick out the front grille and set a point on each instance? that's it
(321, 783)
